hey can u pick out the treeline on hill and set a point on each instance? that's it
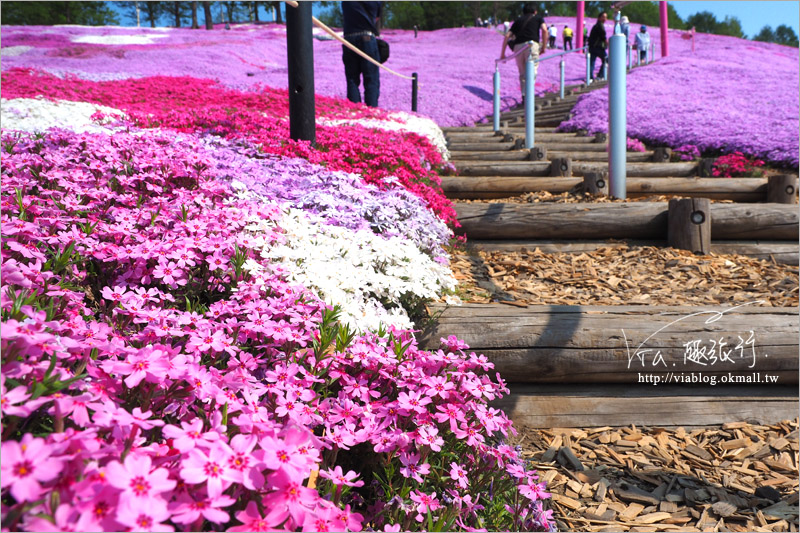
(403, 15)
(148, 13)
(437, 15)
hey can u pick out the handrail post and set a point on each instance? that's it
(300, 69)
(530, 80)
(496, 98)
(617, 121)
(562, 66)
(414, 91)
(588, 68)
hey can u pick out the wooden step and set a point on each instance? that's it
(616, 344)
(642, 170)
(481, 146)
(579, 168)
(489, 126)
(778, 251)
(505, 168)
(632, 220)
(457, 157)
(583, 406)
(739, 189)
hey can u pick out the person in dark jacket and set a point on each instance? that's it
(360, 26)
(598, 43)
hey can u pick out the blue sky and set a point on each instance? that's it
(753, 15)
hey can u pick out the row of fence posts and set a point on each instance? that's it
(619, 61)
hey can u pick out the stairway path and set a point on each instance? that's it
(500, 186)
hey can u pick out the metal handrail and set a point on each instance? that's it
(515, 54)
(552, 56)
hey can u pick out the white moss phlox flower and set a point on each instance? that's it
(401, 121)
(39, 114)
(364, 273)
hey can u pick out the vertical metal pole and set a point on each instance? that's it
(496, 99)
(617, 121)
(663, 16)
(588, 68)
(414, 90)
(579, 25)
(530, 80)
(652, 52)
(300, 56)
(562, 65)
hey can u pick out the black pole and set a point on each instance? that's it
(414, 81)
(300, 55)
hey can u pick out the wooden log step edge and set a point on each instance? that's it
(596, 406)
(634, 220)
(626, 344)
(780, 252)
(668, 185)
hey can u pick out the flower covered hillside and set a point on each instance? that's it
(207, 326)
(160, 373)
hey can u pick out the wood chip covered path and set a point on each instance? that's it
(733, 477)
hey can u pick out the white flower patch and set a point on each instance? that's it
(358, 270)
(400, 121)
(117, 39)
(11, 51)
(39, 114)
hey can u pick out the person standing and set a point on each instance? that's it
(553, 32)
(598, 43)
(625, 27)
(642, 43)
(360, 26)
(567, 33)
(529, 27)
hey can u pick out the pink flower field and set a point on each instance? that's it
(208, 326)
(729, 95)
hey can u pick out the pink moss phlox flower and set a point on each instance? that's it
(136, 478)
(425, 502)
(144, 515)
(26, 465)
(189, 435)
(337, 477)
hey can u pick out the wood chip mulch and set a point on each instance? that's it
(622, 276)
(733, 477)
(573, 197)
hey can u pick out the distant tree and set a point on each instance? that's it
(277, 7)
(703, 22)
(332, 16)
(766, 35)
(208, 16)
(255, 10)
(179, 11)
(50, 13)
(404, 15)
(730, 26)
(195, 24)
(648, 13)
(786, 35)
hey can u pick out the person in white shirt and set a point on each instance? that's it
(642, 43)
(553, 32)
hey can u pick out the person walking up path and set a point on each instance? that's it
(598, 43)
(529, 27)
